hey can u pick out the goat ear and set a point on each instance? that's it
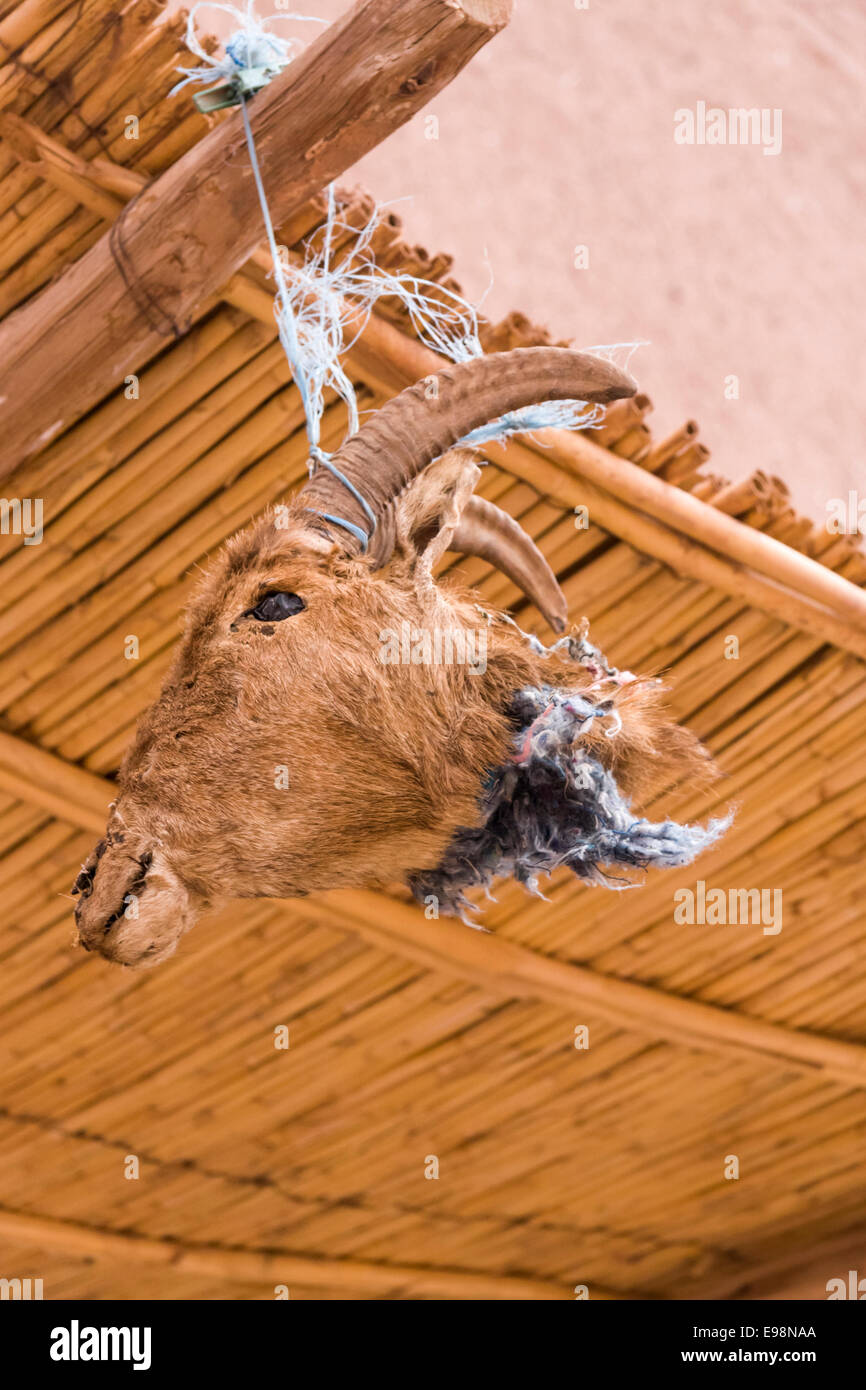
(428, 512)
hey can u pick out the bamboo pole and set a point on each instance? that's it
(634, 444)
(699, 526)
(674, 548)
(493, 962)
(271, 1267)
(685, 464)
(69, 172)
(755, 550)
(68, 792)
(25, 21)
(621, 417)
(111, 185)
(671, 445)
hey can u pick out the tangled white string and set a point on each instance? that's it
(252, 45)
(322, 305)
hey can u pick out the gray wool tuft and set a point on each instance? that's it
(553, 804)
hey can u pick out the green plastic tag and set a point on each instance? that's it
(245, 82)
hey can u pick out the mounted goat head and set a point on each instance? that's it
(288, 754)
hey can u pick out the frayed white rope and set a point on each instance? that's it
(315, 301)
(288, 331)
(325, 298)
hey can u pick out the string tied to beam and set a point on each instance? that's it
(251, 49)
(318, 298)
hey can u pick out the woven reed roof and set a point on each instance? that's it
(409, 1038)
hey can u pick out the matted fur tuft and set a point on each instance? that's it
(554, 805)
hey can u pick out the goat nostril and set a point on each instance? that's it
(84, 885)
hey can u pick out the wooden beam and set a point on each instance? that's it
(682, 553)
(801, 1269)
(106, 188)
(491, 962)
(70, 793)
(267, 1268)
(515, 971)
(188, 232)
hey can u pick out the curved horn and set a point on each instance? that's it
(427, 419)
(490, 533)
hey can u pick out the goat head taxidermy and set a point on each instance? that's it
(291, 752)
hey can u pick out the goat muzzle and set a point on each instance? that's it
(132, 907)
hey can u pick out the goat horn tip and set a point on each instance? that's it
(624, 386)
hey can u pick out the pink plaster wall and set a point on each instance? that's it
(560, 133)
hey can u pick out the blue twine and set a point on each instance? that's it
(288, 330)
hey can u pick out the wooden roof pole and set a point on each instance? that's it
(794, 1273)
(693, 537)
(189, 231)
(63, 789)
(271, 1267)
(491, 962)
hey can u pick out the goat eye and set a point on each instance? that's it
(274, 607)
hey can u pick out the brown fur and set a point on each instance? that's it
(384, 761)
